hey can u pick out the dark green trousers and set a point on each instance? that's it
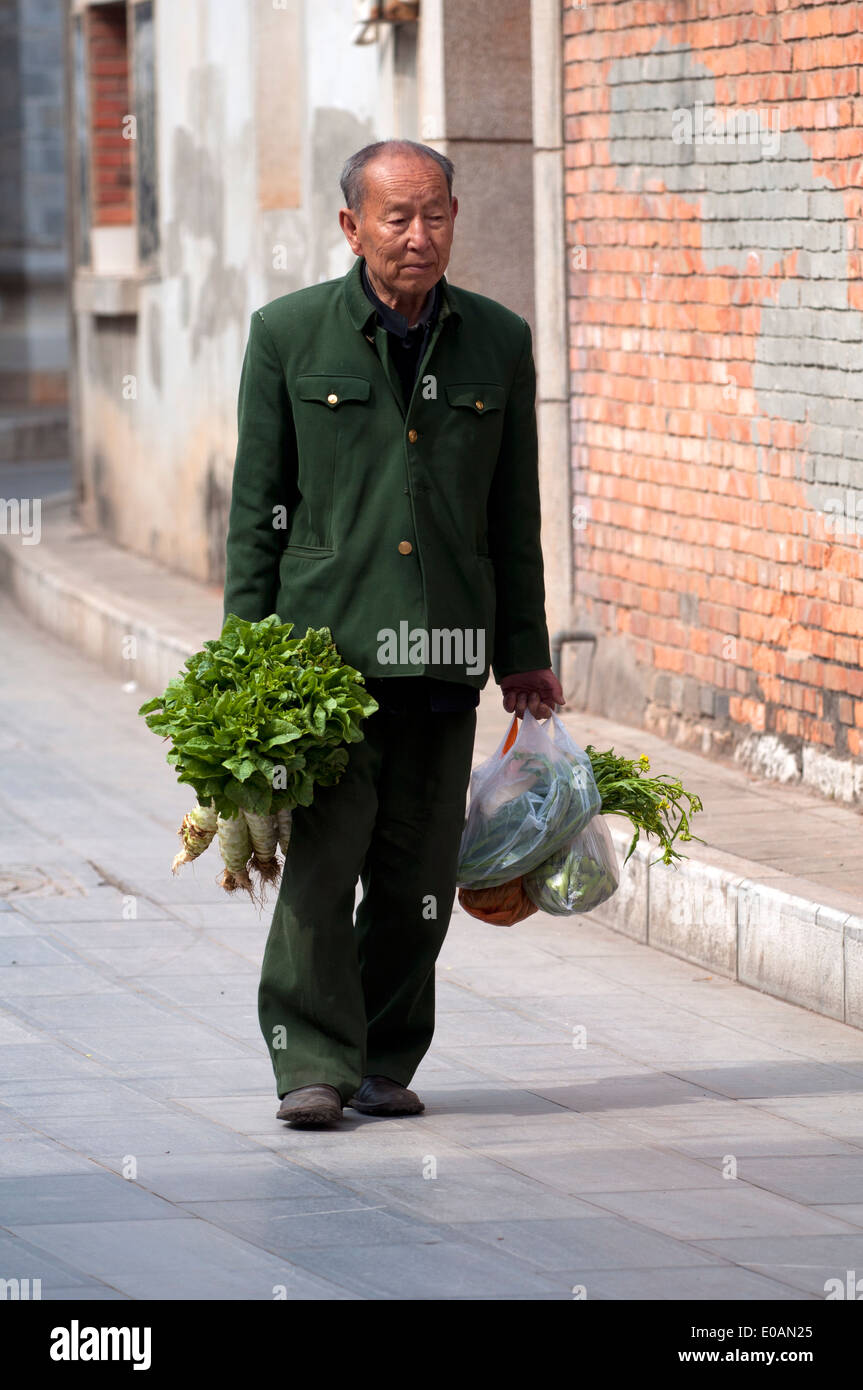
(340, 1000)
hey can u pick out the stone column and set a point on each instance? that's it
(551, 334)
(475, 106)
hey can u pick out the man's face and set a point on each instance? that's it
(404, 226)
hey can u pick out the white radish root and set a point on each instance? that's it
(197, 831)
(283, 818)
(264, 835)
(236, 846)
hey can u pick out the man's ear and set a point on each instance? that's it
(350, 227)
(454, 208)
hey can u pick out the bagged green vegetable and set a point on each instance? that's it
(528, 800)
(578, 877)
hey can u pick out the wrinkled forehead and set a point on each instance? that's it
(394, 181)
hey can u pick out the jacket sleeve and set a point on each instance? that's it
(521, 633)
(263, 492)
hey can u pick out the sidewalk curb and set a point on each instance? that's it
(731, 916)
(718, 912)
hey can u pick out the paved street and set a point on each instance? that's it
(601, 1117)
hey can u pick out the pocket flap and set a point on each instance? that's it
(333, 390)
(479, 398)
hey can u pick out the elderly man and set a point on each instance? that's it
(386, 487)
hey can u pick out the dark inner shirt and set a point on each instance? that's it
(407, 346)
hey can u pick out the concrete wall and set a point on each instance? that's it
(257, 108)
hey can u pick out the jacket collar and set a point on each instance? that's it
(361, 309)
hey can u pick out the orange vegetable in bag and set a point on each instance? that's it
(503, 906)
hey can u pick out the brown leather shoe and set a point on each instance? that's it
(311, 1105)
(378, 1095)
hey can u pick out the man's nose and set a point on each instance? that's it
(418, 235)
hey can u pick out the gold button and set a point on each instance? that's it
(405, 547)
(413, 436)
(332, 398)
(479, 405)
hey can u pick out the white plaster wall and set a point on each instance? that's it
(157, 467)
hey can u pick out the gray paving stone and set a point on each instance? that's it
(16, 983)
(229, 1020)
(586, 1243)
(680, 1285)
(192, 989)
(90, 1293)
(184, 1253)
(523, 1063)
(851, 1212)
(623, 1094)
(175, 1039)
(93, 907)
(31, 950)
(268, 1281)
(803, 1261)
(110, 1139)
(732, 1210)
(120, 1009)
(133, 935)
(277, 1225)
(25, 1154)
(768, 1080)
(810, 1179)
(458, 1195)
(205, 1077)
(543, 979)
(466, 1029)
(839, 1114)
(242, 1113)
(811, 1279)
(19, 1259)
(448, 1270)
(36, 1097)
(78, 1197)
(13, 923)
(625, 1168)
(255, 1175)
(15, 1031)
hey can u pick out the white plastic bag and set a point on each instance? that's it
(529, 799)
(578, 877)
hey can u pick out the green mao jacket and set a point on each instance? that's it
(414, 535)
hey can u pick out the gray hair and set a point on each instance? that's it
(353, 180)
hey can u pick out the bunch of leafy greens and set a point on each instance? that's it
(660, 806)
(257, 719)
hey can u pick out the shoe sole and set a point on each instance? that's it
(385, 1109)
(310, 1117)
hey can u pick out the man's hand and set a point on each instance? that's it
(538, 691)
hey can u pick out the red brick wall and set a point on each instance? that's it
(108, 69)
(716, 308)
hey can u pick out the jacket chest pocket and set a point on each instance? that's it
(482, 401)
(328, 406)
(473, 425)
(331, 414)
(335, 392)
